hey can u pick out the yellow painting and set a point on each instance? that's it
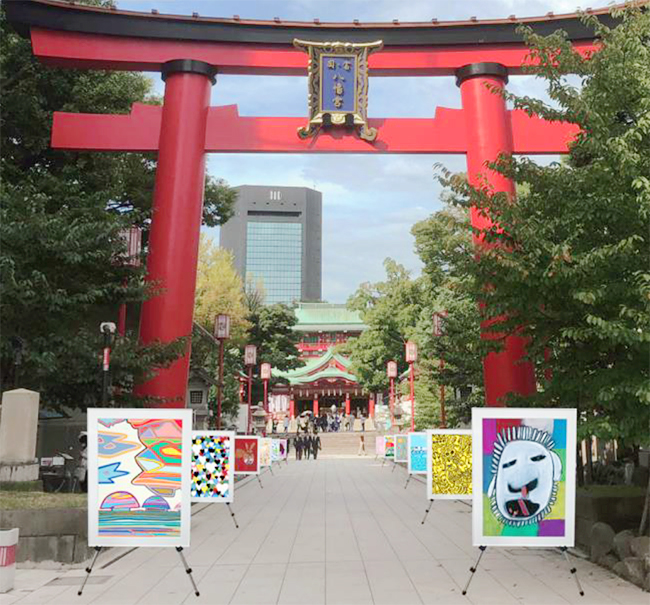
(449, 466)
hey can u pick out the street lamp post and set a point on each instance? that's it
(391, 369)
(221, 333)
(265, 374)
(107, 328)
(411, 358)
(438, 319)
(133, 240)
(250, 359)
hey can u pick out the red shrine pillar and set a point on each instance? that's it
(316, 405)
(292, 407)
(176, 222)
(347, 404)
(371, 407)
(489, 134)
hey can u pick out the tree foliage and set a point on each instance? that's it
(61, 215)
(568, 262)
(390, 310)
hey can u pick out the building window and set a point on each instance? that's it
(275, 195)
(274, 259)
(196, 397)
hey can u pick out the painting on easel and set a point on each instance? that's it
(524, 476)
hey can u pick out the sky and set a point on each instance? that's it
(370, 203)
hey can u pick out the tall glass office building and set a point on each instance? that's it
(275, 236)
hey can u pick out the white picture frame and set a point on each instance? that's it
(212, 498)
(537, 419)
(438, 495)
(124, 469)
(418, 439)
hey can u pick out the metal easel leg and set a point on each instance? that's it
(573, 570)
(89, 569)
(394, 466)
(188, 570)
(271, 469)
(259, 481)
(383, 462)
(427, 511)
(473, 569)
(234, 519)
(407, 481)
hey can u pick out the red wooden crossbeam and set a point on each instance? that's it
(97, 51)
(228, 132)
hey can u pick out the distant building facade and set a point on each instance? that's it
(275, 235)
(326, 379)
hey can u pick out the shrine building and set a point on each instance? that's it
(325, 380)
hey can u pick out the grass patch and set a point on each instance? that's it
(10, 500)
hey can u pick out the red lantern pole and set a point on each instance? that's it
(265, 372)
(250, 359)
(411, 358)
(221, 332)
(391, 369)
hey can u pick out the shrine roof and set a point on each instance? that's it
(325, 317)
(310, 371)
(71, 17)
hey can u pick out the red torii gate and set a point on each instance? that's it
(191, 51)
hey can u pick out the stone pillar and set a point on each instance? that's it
(18, 429)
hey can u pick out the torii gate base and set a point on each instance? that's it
(189, 52)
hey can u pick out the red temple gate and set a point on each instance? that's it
(190, 51)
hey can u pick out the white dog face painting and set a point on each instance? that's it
(526, 472)
(523, 476)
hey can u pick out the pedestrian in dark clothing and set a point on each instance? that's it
(307, 446)
(297, 445)
(315, 445)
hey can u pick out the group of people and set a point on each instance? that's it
(335, 422)
(307, 445)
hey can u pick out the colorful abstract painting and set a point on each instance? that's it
(247, 461)
(389, 446)
(449, 464)
(524, 476)
(139, 477)
(265, 451)
(401, 448)
(417, 453)
(213, 465)
(380, 445)
(278, 450)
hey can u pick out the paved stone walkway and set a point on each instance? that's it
(328, 531)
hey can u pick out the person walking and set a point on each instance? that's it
(307, 445)
(286, 424)
(315, 445)
(362, 446)
(297, 444)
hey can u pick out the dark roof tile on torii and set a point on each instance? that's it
(69, 16)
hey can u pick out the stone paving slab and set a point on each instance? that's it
(329, 532)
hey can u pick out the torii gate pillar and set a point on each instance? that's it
(490, 134)
(176, 224)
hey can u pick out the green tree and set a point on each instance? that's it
(568, 262)
(60, 219)
(219, 289)
(444, 244)
(390, 309)
(276, 340)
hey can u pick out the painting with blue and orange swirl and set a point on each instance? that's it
(138, 486)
